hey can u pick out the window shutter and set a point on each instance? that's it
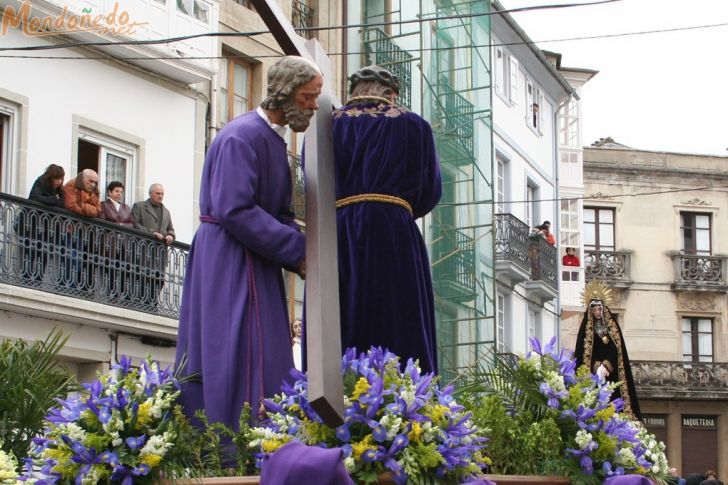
(514, 80)
(540, 111)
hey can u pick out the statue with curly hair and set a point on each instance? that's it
(233, 327)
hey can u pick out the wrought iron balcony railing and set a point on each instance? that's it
(693, 271)
(612, 266)
(302, 17)
(669, 379)
(382, 51)
(59, 252)
(511, 240)
(298, 200)
(456, 121)
(453, 265)
(543, 260)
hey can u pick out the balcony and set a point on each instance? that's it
(511, 249)
(453, 266)
(611, 266)
(525, 258)
(700, 273)
(54, 251)
(680, 380)
(302, 18)
(135, 20)
(382, 51)
(298, 200)
(453, 126)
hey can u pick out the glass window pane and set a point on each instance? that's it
(115, 171)
(223, 77)
(224, 115)
(239, 106)
(705, 325)
(589, 237)
(241, 80)
(687, 344)
(703, 240)
(588, 215)
(702, 221)
(705, 358)
(606, 215)
(686, 325)
(705, 344)
(606, 235)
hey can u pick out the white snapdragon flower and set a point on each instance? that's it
(392, 424)
(73, 431)
(7, 468)
(350, 465)
(583, 438)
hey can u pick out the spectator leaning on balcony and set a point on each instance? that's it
(151, 216)
(36, 239)
(545, 231)
(81, 195)
(114, 245)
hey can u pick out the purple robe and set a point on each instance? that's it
(233, 325)
(385, 285)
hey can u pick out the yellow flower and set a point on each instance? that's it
(269, 446)
(360, 447)
(414, 435)
(151, 459)
(361, 387)
(437, 412)
(143, 415)
(605, 413)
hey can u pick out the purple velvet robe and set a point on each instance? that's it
(233, 323)
(385, 285)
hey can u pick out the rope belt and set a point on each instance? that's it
(387, 199)
(209, 219)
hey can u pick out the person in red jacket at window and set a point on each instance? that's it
(570, 258)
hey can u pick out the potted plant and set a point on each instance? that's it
(546, 417)
(30, 380)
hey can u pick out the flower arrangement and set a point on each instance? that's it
(121, 429)
(8, 467)
(395, 421)
(590, 439)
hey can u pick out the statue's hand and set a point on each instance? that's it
(602, 372)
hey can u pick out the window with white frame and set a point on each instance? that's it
(112, 159)
(697, 339)
(695, 229)
(500, 194)
(195, 8)
(569, 226)
(506, 75)
(4, 147)
(531, 197)
(534, 107)
(235, 88)
(569, 129)
(533, 329)
(8, 139)
(501, 323)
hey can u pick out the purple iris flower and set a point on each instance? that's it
(124, 365)
(581, 415)
(552, 395)
(136, 443)
(126, 474)
(343, 433)
(608, 471)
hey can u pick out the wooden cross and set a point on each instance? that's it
(323, 334)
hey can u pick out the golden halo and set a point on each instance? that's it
(596, 290)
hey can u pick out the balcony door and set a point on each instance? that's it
(599, 229)
(695, 230)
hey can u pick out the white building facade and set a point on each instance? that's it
(133, 113)
(528, 95)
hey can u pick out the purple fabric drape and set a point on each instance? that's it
(385, 285)
(233, 321)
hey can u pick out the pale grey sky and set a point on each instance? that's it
(661, 91)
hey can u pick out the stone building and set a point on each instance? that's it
(653, 229)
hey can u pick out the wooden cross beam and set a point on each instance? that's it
(323, 334)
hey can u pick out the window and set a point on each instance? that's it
(697, 339)
(445, 59)
(113, 160)
(533, 328)
(501, 323)
(569, 129)
(531, 197)
(235, 88)
(8, 148)
(599, 229)
(506, 75)
(534, 107)
(695, 229)
(500, 194)
(195, 8)
(570, 223)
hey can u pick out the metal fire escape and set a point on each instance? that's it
(454, 96)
